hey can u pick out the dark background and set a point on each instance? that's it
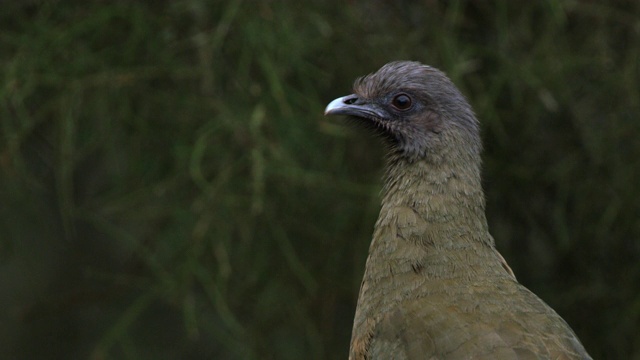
(170, 189)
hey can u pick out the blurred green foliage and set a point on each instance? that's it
(169, 188)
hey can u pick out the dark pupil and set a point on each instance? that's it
(402, 102)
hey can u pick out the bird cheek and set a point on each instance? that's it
(429, 122)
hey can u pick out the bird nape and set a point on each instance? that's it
(435, 287)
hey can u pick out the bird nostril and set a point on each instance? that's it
(350, 100)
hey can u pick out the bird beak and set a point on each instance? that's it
(354, 106)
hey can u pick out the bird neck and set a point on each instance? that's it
(432, 209)
(432, 225)
(446, 193)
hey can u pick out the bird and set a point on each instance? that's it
(435, 286)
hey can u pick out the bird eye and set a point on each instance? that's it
(401, 102)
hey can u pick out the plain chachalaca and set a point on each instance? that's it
(435, 287)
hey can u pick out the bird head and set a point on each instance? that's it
(416, 108)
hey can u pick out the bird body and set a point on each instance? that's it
(435, 287)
